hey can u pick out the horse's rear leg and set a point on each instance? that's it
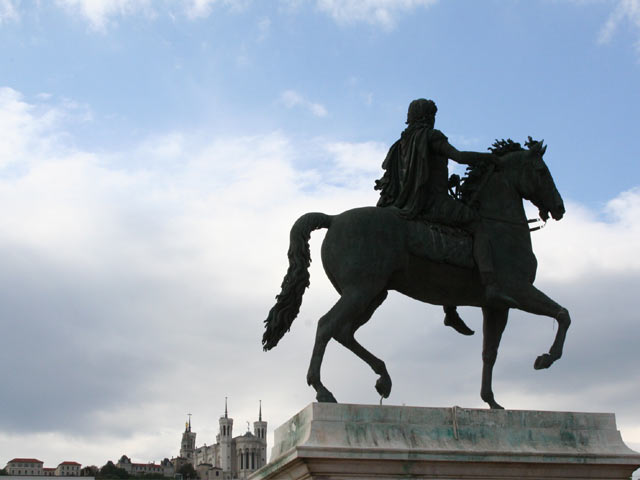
(346, 337)
(342, 316)
(494, 322)
(532, 300)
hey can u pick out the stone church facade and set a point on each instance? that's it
(229, 457)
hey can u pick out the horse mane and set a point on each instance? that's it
(473, 179)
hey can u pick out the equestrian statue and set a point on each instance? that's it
(434, 239)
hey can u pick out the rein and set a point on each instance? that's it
(522, 223)
(484, 180)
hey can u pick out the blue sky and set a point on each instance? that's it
(153, 156)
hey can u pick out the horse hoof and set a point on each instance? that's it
(495, 406)
(543, 361)
(326, 397)
(383, 386)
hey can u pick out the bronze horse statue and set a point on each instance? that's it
(368, 251)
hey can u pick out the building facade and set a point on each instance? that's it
(68, 469)
(229, 457)
(165, 467)
(34, 467)
(25, 466)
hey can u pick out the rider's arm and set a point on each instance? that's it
(466, 158)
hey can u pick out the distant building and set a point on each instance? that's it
(229, 457)
(34, 468)
(25, 466)
(144, 468)
(68, 469)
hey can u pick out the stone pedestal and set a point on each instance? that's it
(341, 441)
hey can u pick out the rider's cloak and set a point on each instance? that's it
(404, 184)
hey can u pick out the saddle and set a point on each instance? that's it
(441, 243)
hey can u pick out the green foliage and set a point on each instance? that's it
(3, 471)
(188, 471)
(150, 475)
(109, 470)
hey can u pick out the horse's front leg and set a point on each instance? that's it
(534, 301)
(494, 322)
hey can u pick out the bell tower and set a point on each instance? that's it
(260, 427)
(260, 431)
(188, 444)
(225, 436)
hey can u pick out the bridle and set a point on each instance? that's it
(526, 223)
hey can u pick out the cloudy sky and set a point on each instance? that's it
(153, 156)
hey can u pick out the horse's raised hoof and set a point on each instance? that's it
(543, 361)
(383, 386)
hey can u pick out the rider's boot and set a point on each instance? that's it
(453, 320)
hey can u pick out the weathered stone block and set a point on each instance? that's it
(342, 441)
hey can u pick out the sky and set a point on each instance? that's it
(154, 155)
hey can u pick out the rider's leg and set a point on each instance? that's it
(453, 320)
(495, 296)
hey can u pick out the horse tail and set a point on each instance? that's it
(288, 303)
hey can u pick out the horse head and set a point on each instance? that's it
(535, 182)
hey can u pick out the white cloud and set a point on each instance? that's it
(625, 10)
(291, 99)
(264, 28)
(592, 243)
(8, 11)
(99, 13)
(376, 12)
(196, 9)
(20, 125)
(356, 163)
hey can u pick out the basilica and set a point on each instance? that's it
(229, 457)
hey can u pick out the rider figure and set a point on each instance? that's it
(416, 181)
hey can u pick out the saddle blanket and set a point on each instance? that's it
(441, 243)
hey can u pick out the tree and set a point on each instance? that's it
(109, 470)
(3, 471)
(89, 471)
(188, 471)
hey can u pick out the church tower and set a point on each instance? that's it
(260, 431)
(188, 444)
(260, 427)
(225, 436)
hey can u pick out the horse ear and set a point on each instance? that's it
(544, 149)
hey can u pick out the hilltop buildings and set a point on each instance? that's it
(229, 457)
(34, 467)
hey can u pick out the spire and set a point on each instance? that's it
(260, 412)
(225, 408)
(189, 423)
